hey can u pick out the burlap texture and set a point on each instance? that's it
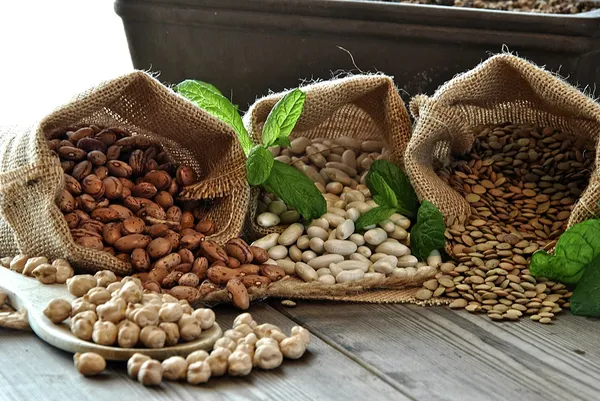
(366, 107)
(504, 88)
(31, 177)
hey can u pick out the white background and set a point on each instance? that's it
(52, 49)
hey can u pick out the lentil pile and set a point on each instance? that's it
(521, 182)
(535, 6)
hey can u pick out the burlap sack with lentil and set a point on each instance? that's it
(365, 107)
(31, 177)
(504, 88)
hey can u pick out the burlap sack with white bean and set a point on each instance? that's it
(31, 176)
(505, 88)
(362, 107)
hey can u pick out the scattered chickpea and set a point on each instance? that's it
(58, 310)
(174, 368)
(135, 363)
(150, 373)
(89, 363)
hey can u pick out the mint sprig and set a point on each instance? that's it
(290, 185)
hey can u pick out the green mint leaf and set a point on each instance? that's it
(428, 234)
(374, 216)
(585, 300)
(296, 190)
(408, 203)
(258, 165)
(283, 141)
(216, 105)
(282, 119)
(574, 250)
(385, 196)
(205, 85)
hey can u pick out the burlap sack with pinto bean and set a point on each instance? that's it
(504, 88)
(31, 177)
(365, 107)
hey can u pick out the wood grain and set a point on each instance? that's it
(33, 370)
(439, 354)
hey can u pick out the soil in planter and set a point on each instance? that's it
(535, 6)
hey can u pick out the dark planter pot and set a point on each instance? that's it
(247, 47)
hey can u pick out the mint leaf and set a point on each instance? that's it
(428, 234)
(408, 203)
(574, 250)
(216, 105)
(374, 216)
(385, 195)
(201, 83)
(585, 300)
(296, 190)
(282, 119)
(258, 165)
(283, 141)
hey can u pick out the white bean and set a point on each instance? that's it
(362, 207)
(411, 271)
(336, 211)
(278, 252)
(333, 219)
(327, 279)
(303, 242)
(374, 276)
(340, 205)
(317, 244)
(352, 214)
(377, 256)
(288, 265)
(353, 265)
(267, 242)
(335, 269)
(387, 225)
(317, 232)
(434, 259)
(267, 219)
(364, 251)
(291, 234)
(426, 271)
(372, 203)
(344, 230)
(306, 272)
(400, 272)
(325, 260)
(407, 261)
(360, 258)
(308, 255)
(354, 196)
(298, 145)
(398, 233)
(393, 249)
(349, 275)
(375, 236)
(323, 270)
(400, 220)
(340, 247)
(385, 265)
(349, 158)
(358, 239)
(320, 222)
(295, 253)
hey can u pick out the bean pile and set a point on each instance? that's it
(330, 250)
(513, 179)
(246, 346)
(121, 197)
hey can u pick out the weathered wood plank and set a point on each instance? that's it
(439, 354)
(32, 369)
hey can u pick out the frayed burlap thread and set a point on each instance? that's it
(365, 107)
(504, 88)
(31, 177)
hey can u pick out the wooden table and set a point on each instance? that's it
(358, 352)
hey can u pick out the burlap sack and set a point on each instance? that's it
(366, 107)
(31, 177)
(505, 88)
